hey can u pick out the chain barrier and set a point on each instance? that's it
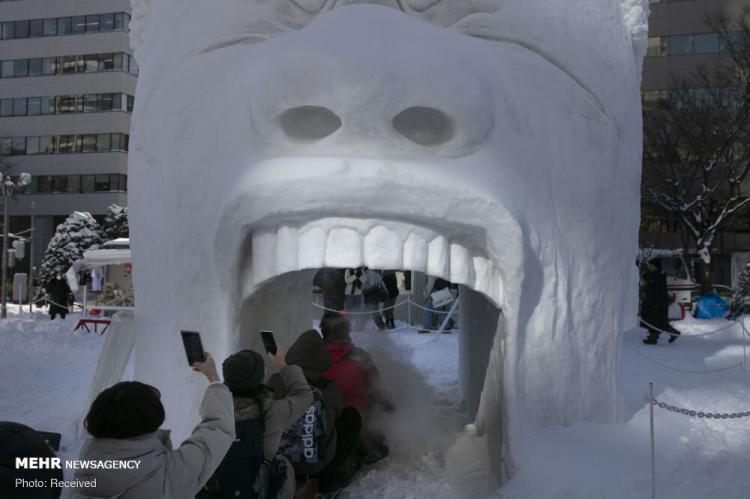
(652, 401)
(700, 414)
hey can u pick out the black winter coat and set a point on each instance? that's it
(59, 292)
(655, 305)
(391, 283)
(17, 440)
(332, 283)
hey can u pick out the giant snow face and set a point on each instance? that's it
(495, 143)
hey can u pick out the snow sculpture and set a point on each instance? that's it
(495, 143)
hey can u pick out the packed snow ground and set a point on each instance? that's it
(46, 369)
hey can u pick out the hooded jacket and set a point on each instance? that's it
(351, 377)
(163, 472)
(310, 354)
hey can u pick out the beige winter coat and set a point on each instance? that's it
(164, 472)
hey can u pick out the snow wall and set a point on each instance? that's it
(495, 143)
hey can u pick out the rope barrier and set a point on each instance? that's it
(709, 333)
(348, 312)
(46, 299)
(403, 302)
(685, 371)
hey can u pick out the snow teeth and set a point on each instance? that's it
(383, 249)
(264, 256)
(344, 248)
(438, 258)
(311, 250)
(379, 245)
(287, 249)
(415, 253)
(462, 268)
(484, 275)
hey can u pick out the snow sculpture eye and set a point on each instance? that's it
(424, 125)
(309, 123)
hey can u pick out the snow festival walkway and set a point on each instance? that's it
(45, 370)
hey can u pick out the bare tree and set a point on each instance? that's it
(696, 157)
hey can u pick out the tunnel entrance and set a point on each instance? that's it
(435, 379)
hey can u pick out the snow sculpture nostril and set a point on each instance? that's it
(424, 125)
(308, 123)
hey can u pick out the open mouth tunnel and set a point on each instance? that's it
(401, 332)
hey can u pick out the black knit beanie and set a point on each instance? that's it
(243, 371)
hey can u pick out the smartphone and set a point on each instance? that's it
(268, 341)
(193, 346)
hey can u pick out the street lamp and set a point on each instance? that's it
(9, 186)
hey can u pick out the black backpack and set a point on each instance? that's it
(303, 442)
(243, 472)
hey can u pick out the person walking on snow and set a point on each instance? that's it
(655, 304)
(391, 283)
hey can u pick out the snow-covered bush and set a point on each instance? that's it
(78, 233)
(116, 222)
(741, 297)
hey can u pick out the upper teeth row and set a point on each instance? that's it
(380, 245)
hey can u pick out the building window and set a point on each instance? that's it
(92, 24)
(64, 104)
(701, 43)
(68, 64)
(50, 27)
(21, 68)
(64, 144)
(60, 26)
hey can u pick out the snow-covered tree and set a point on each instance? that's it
(116, 222)
(78, 233)
(742, 291)
(697, 142)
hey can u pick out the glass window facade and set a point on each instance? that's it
(68, 64)
(63, 104)
(63, 144)
(74, 184)
(702, 43)
(60, 26)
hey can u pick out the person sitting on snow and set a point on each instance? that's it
(358, 379)
(254, 461)
(322, 467)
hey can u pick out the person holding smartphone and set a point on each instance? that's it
(124, 423)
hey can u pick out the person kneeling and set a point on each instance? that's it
(319, 443)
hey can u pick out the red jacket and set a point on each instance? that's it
(350, 376)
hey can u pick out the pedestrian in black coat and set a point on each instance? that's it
(59, 296)
(391, 283)
(332, 284)
(655, 303)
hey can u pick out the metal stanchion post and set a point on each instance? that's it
(408, 307)
(653, 453)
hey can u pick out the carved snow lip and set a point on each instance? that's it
(349, 203)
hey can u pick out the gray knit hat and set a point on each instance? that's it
(243, 371)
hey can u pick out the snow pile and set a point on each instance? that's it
(46, 370)
(49, 368)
